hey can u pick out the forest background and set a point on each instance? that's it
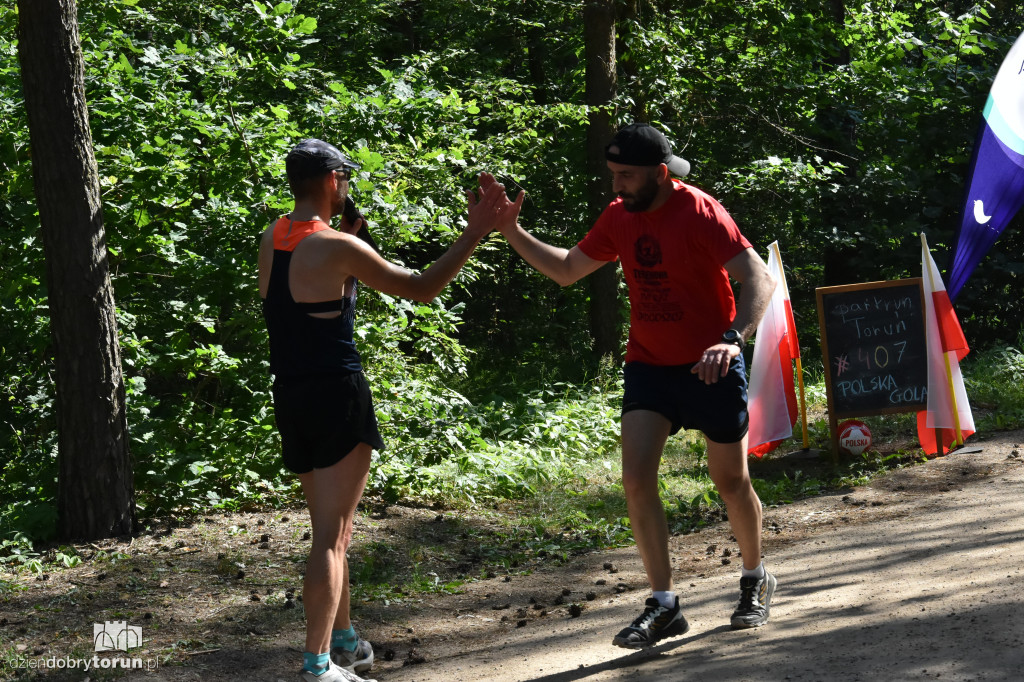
(842, 130)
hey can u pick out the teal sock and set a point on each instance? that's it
(346, 639)
(315, 663)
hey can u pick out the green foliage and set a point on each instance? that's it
(842, 137)
(788, 488)
(19, 553)
(448, 448)
(995, 385)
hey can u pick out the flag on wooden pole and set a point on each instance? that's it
(771, 400)
(948, 419)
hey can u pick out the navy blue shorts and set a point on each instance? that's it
(718, 410)
(323, 418)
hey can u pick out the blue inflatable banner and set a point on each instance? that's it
(996, 179)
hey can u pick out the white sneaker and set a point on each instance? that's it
(332, 674)
(358, 661)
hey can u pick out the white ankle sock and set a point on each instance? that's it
(753, 572)
(665, 598)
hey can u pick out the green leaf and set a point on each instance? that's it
(125, 65)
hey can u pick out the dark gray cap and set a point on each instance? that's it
(639, 144)
(314, 157)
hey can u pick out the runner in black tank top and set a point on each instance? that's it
(322, 402)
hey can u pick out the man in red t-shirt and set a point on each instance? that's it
(684, 366)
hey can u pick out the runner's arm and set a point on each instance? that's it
(565, 266)
(266, 257)
(756, 288)
(366, 265)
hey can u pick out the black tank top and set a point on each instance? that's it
(300, 344)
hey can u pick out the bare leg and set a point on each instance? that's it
(341, 618)
(332, 495)
(643, 440)
(727, 466)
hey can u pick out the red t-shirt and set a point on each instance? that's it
(680, 298)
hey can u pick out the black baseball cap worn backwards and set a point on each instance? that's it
(313, 157)
(640, 144)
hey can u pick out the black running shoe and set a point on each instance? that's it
(654, 624)
(755, 602)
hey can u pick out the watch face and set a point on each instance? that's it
(732, 336)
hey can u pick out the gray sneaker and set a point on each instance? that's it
(653, 625)
(332, 674)
(358, 661)
(755, 602)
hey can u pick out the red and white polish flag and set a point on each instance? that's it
(771, 397)
(947, 346)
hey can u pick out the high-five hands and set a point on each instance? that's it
(484, 210)
(508, 214)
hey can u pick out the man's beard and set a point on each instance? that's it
(642, 200)
(337, 204)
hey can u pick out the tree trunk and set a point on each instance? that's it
(630, 16)
(96, 496)
(599, 36)
(535, 55)
(840, 134)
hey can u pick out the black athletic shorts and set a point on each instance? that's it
(719, 410)
(322, 418)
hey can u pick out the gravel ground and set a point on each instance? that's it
(911, 577)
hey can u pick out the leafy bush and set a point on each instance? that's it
(994, 381)
(839, 138)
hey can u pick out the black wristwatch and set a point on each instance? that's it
(733, 336)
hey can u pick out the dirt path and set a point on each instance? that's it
(915, 576)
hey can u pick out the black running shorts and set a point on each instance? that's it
(323, 418)
(719, 410)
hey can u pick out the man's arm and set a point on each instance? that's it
(756, 288)
(565, 266)
(360, 260)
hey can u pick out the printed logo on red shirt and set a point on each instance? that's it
(647, 251)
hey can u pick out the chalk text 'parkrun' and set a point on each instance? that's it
(849, 313)
(862, 318)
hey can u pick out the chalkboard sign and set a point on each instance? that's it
(873, 347)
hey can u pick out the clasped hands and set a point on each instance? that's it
(492, 210)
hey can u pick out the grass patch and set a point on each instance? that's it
(995, 386)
